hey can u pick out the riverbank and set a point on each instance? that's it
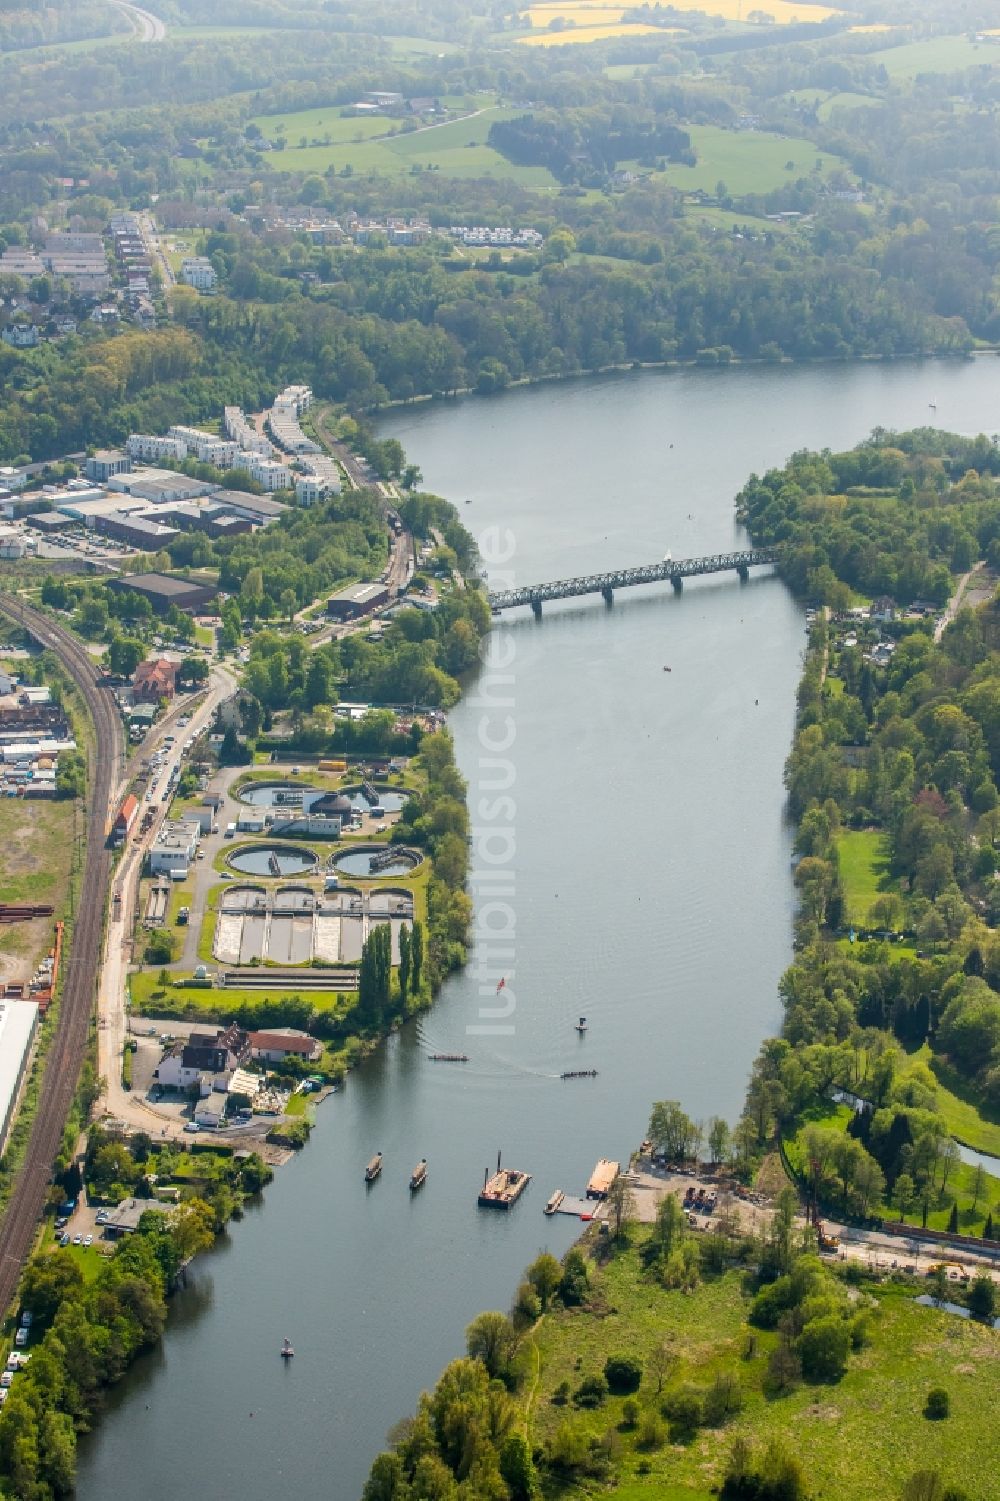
(702, 940)
(695, 363)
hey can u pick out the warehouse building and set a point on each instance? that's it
(163, 590)
(18, 1020)
(256, 508)
(356, 600)
(134, 531)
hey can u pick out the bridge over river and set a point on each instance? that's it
(674, 570)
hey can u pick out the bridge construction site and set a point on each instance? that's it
(672, 570)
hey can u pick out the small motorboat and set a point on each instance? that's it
(286, 1349)
(581, 1025)
(668, 669)
(419, 1175)
(374, 1168)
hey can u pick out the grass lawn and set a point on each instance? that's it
(943, 54)
(864, 870)
(747, 161)
(859, 1438)
(846, 101)
(298, 1104)
(456, 148)
(321, 124)
(963, 1120)
(88, 1258)
(152, 998)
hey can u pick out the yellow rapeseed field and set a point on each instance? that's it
(590, 34)
(783, 12)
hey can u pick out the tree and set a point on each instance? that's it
(517, 1468)
(623, 1373)
(375, 974)
(718, 1138)
(978, 1184)
(48, 1281)
(670, 1224)
(621, 1203)
(545, 1275)
(938, 1404)
(823, 1347)
(983, 1297)
(404, 961)
(417, 954)
(903, 1193)
(192, 1228)
(661, 1362)
(492, 1338)
(672, 1132)
(575, 1278)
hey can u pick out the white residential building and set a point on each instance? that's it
(197, 271)
(269, 473)
(150, 449)
(243, 433)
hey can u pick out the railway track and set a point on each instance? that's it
(80, 972)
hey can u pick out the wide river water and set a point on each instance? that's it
(642, 877)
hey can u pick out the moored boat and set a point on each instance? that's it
(552, 1204)
(374, 1168)
(504, 1188)
(419, 1174)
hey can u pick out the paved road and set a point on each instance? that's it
(955, 603)
(148, 28)
(112, 1023)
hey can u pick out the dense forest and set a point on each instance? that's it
(898, 738)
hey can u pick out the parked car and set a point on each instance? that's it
(64, 1238)
(88, 1240)
(7, 1378)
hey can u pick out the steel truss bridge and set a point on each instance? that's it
(672, 570)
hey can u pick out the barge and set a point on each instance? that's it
(602, 1177)
(419, 1174)
(448, 1057)
(580, 1073)
(374, 1168)
(504, 1188)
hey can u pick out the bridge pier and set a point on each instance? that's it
(536, 608)
(608, 595)
(677, 582)
(743, 572)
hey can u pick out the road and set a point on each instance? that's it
(154, 247)
(955, 603)
(148, 28)
(112, 1020)
(62, 1066)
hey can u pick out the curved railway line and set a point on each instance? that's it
(62, 1065)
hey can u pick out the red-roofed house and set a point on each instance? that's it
(154, 680)
(275, 1047)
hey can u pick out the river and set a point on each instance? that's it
(647, 888)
